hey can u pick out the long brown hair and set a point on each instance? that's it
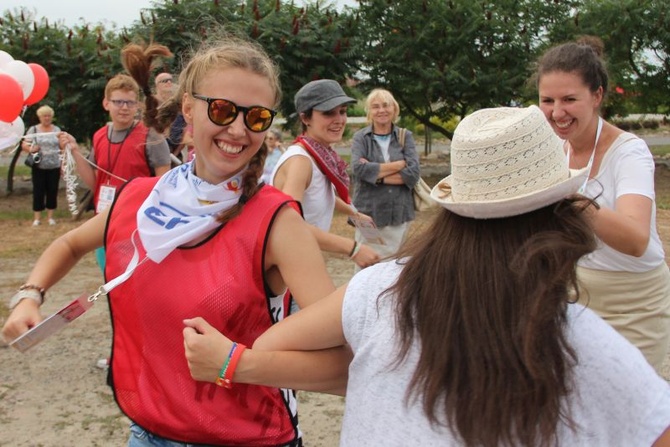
(487, 300)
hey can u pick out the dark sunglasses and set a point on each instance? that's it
(223, 112)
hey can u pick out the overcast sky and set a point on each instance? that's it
(120, 12)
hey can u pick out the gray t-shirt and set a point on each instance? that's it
(619, 400)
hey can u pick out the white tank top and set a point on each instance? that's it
(318, 202)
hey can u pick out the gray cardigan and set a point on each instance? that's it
(386, 204)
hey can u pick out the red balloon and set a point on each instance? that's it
(41, 84)
(12, 98)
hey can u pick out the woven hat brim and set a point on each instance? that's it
(495, 209)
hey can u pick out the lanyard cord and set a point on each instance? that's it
(118, 152)
(123, 277)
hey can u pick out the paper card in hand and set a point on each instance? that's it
(52, 324)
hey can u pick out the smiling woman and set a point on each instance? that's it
(386, 168)
(205, 240)
(312, 172)
(572, 83)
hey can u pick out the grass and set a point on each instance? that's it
(61, 213)
(20, 170)
(661, 150)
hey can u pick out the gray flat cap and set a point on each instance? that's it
(321, 95)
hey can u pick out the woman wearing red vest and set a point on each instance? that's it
(203, 240)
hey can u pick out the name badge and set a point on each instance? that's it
(105, 198)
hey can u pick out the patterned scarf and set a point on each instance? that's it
(181, 208)
(330, 163)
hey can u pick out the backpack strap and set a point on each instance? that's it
(401, 136)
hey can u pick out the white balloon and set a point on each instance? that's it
(11, 133)
(20, 71)
(4, 58)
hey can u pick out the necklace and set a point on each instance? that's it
(589, 165)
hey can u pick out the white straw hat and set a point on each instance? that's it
(505, 162)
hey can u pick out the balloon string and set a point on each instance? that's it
(68, 165)
(12, 151)
(41, 134)
(68, 170)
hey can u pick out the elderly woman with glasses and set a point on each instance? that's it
(385, 169)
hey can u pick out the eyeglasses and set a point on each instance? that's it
(223, 112)
(165, 81)
(123, 102)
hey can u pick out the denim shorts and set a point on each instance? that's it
(139, 437)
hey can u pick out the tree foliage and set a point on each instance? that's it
(637, 46)
(446, 58)
(442, 59)
(309, 42)
(79, 61)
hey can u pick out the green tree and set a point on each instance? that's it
(636, 34)
(309, 42)
(441, 59)
(447, 58)
(79, 61)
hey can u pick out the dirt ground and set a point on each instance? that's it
(54, 395)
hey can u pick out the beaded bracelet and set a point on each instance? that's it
(31, 291)
(225, 378)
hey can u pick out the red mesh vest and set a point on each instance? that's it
(126, 160)
(221, 279)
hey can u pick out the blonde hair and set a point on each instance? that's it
(44, 110)
(121, 82)
(230, 53)
(221, 54)
(384, 96)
